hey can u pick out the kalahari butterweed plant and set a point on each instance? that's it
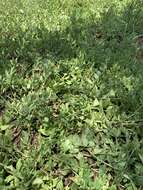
(71, 106)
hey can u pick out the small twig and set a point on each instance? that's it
(95, 158)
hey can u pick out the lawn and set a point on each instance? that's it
(71, 95)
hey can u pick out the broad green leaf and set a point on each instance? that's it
(96, 102)
(37, 181)
(9, 178)
(4, 127)
(19, 164)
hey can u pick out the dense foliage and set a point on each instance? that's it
(71, 95)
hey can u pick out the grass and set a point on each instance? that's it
(71, 95)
